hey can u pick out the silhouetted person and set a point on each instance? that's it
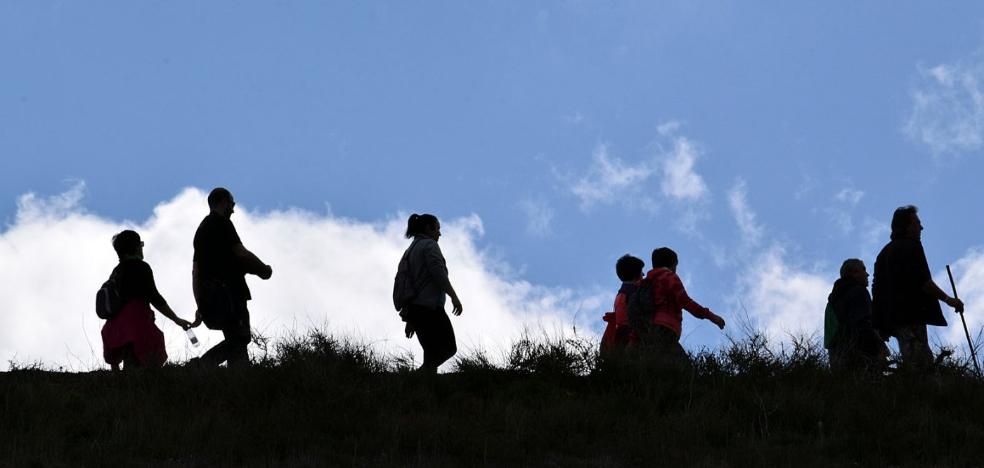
(905, 298)
(428, 272)
(131, 337)
(856, 346)
(670, 299)
(629, 270)
(221, 263)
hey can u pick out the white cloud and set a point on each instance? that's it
(849, 195)
(781, 299)
(668, 128)
(610, 180)
(680, 181)
(948, 107)
(874, 235)
(328, 271)
(968, 273)
(751, 231)
(539, 217)
(841, 212)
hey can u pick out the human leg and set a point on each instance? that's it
(239, 337)
(130, 360)
(914, 347)
(445, 346)
(436, 337)
(232, 349)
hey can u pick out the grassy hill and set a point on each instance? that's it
(318, 401)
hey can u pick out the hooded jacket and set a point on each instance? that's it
(852, 305)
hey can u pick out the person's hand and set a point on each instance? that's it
(184, 324)
(717, 320)
(457, 306)
(408, 331)
(957, 304)
(266, 272)
(198, 319)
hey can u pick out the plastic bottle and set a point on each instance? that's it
(192, 337)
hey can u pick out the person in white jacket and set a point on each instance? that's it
(424, 314)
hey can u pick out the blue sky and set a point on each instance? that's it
(753, 136)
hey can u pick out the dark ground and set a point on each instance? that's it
(320, 402)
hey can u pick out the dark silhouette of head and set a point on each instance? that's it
(665, 257)
(854, 269)
(220, 201)
(629, 268)
(425, 225)
(127, 243)
(906, 223)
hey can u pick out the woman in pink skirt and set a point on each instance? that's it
(131, 337)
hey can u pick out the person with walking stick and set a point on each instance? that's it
(904, 297)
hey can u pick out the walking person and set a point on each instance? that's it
(854, 345)
(629, 270)
(131, 337)
(219, 270)
(661, 326)
(904, 297)
(427, 288)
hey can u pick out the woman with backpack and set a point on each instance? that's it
(423, 274)
(130, 335)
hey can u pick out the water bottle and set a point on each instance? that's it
(192, 337)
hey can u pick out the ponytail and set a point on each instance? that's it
(412, 225)
(418, 224)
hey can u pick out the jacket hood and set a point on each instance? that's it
(841, 287)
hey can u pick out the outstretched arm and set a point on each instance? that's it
(155, 299)
(166, 311)
(690, 305)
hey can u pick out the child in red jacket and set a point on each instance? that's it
(671, 298)
(618, 333)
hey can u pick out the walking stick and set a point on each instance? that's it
(973, 354)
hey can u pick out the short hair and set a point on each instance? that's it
(420, 223)
(849, 266)
(665, 257)
(126, 243)
(218, 195)
(629, 268)
(902, 219)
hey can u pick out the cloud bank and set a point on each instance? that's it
(781, 298)
(328, 272)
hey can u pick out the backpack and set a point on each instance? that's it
(641, 307)
(608, 338)
(404, 287)
(830, 326)
(108, 300)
